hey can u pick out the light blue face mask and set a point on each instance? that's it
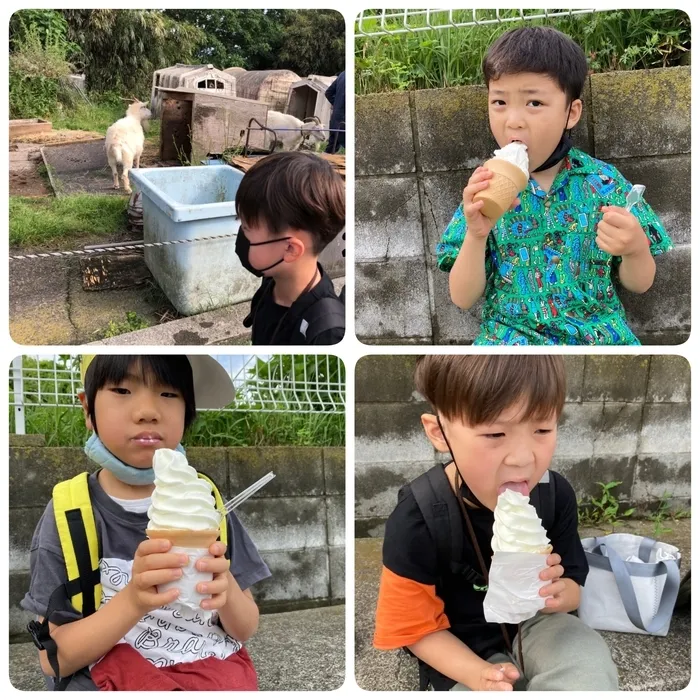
(133, 476)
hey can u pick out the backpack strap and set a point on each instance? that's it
(82, 552)
(440, 510)
(325, 314)
(225, 535)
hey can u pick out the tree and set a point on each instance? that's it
(122, 48)
(313, 43)
(247, 38)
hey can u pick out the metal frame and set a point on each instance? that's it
(404, 16)
(57, 387)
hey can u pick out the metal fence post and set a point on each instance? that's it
(18, 391)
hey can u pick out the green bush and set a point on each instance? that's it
(611, 40)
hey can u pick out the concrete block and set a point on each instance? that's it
(18, 617)
(665, 309)
(612, 468)
(213, 461)
(661, 476)
(579, 428)
(377, 486)
(453, 128)
(297, 575)
(663, 176)
(337, 568)
(669, 379)
(36, 470)
(615, 378)
(574, 366)
(383, 134)
(384, 378)
(285, 523)
(665, 429)
(23, 522)
(27, 440)
(334, 470)
(618, 432)
(299, 470)
(387, 219)
(452, 325)
(390, 433)
(653, 106)
(370, 527)
(577, 471)
(335, 521)
(394, 302)
(442, 195)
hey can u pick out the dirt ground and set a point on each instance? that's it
(58, 136)
(28, 183)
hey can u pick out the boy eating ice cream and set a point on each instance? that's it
(545, 266)
(109, 627)
(497, 417)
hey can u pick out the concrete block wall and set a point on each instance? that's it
(415, 152)
(626, 418)
(297, 521)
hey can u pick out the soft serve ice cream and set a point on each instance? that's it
(180, 500)
(509, 166)
(520, 549)
(183, 511)
(516, 527)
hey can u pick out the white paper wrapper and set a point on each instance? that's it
(514, 585)
(189, 599)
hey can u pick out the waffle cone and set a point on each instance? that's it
(199, 539)
(507, 181)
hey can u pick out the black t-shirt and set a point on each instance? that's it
(273, 324)
(412, 574)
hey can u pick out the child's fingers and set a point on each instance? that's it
(218, 549)
(553, 559)
(217, 565)
(162, 561)
(474, 208)
(605, 244)
(553, 572)
(216, 602)
(552, 589)
(152, 547)
(158, 600)
(148, 579)
(218, 585)
(607, 229)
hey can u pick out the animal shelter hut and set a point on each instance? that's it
(307, 98)
(269, 86)
(190, 77)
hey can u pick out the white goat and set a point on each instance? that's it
(124, 142)
(310, 130)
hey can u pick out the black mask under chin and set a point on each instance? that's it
(563, 147)
(466, 492)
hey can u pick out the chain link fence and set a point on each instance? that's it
(299, 384)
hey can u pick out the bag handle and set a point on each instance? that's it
(626, 589)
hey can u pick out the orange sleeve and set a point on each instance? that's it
(407, 611)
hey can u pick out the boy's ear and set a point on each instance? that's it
(575, 114)
(434, 433)
(295, 249)
(83, 402)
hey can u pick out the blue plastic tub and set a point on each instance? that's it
(185, 203)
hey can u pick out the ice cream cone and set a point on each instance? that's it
(507, 181)
(196, 539)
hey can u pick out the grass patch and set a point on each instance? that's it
(49, 220)
(65, 427)
(132, 322)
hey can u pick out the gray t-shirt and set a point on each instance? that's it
(164, 636)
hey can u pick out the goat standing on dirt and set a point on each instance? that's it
(124, 142)
(295, 133)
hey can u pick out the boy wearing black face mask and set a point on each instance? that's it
(548, 261)
(291, 206)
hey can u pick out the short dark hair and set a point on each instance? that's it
(538, 49)
(294, 190)
(476, 389)
(172, 371)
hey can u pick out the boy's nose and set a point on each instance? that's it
(514, 119)
(520, 456)
(146, 412)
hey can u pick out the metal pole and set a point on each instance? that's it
(18, 391)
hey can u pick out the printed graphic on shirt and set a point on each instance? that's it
(547, 281)
(167, 636)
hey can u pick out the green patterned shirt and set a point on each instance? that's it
(547, 282)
